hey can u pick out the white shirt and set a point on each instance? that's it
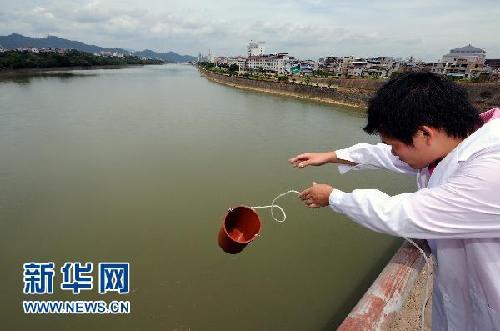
(458, 208)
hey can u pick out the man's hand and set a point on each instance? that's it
(313, 159)
(317, 195)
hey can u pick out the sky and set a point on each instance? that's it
(425, 29)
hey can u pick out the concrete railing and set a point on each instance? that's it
(381, 304)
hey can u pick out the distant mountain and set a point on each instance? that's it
(168, 57)
(16, 40)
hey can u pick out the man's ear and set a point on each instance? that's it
(428, 132)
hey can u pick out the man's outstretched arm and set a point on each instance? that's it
(359, 156)
(316, 159)
(369, 156)
(467, 206)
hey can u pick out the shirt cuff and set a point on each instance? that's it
(344, 155)
(335, 200)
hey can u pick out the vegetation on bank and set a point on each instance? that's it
(14, 59)
(319, 78)
(355, 90)
(258, 74)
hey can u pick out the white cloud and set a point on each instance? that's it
(304, 28)
(43, 13)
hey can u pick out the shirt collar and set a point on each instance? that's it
(486, 136)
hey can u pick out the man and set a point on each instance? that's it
(430, 130)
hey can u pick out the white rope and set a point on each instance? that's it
(273, 205)
(426, 298)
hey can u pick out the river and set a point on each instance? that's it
(140, 164)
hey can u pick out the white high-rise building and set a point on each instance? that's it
(256, 48)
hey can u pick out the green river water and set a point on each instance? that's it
(140, 164)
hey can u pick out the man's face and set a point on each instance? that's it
(418, 156)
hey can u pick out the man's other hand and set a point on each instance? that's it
(317, 195)
(312, 159)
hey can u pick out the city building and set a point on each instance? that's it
(256, 48)
(240, 61)
(356, 67)
(469, 52)
(271, 62)
(331, 64)
(466, 62)
(206, 58)
(493, 63)
(434, 67)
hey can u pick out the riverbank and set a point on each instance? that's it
(347, 97)
(352, 93)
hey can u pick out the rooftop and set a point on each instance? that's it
(467, 49)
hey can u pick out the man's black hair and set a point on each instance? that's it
(411, 100)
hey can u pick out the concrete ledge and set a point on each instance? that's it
(382, 303)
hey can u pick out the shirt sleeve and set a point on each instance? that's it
(368, 156)
(467, 206)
